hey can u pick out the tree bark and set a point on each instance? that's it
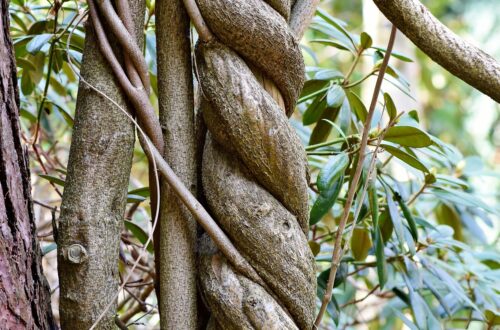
(95, 192)
(456, 55)
(24, 292)
(177, 237)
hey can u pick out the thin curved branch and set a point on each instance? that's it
(138, 97)
(198, 21)
(459, 57)
(302, 14)
(125, 39)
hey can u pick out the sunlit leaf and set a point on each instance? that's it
(389, 105)
(408, 136)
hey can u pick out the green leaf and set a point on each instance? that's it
(405, 157)
(48, 248)
(409, 217)
(335, 23)
(396, 55)
(389, 105)
(135, 198)
(325, 200)
(328, 74)
(361, 243)
(373, 200)
(53, 179)
(396, 219)
(358, 106)
(408, 136)
(386, 226)
(448, 216)
(139, 234)
(144, 192)
(323, 128)
(38, 42)
(314, 111)
(366, 40)
(27, 115)
(379, 254)
(332, 170)
(313, 87)
(335, 96)
(332, 43)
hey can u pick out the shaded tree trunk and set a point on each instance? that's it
(24, 292)
(95, 192)
(177, 238)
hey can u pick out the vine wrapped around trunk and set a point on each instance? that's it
(254, 167)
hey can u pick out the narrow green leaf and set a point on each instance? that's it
(139, 234)
(53, 179)
(332, 170)
(328, 74)
(372, 197)
(314, 111)
(379, 254)
(366, 40)
(448, 216)
(313, 86)
(389, 105)
(48, 248)
(38, 42)
(335, 96)
(405, 157)
(325, 201)
(396, 219)
(409, 217)
(144, 192)
(135, 198)
(323, 128)
(332, 43)
(332, 21)
(358, 106)
(408, 136)
(361, 243)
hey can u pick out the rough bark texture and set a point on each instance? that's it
(456, 55)
(24, 292)
(177, 237)
(95, 193)
(261, 36)
(254, 167)
(302, 14)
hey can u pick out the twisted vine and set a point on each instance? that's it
(254, 166)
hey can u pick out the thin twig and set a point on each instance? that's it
(352, 189)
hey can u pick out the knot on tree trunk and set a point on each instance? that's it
(254, 167)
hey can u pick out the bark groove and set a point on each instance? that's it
(254, 170)
(24, 292)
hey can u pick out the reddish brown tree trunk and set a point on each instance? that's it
(24, 292)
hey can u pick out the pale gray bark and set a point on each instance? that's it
(456, 55)
(95, 192)
(177, 234)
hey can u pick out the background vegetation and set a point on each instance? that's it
(424, 243)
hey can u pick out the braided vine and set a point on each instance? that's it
(254, 167)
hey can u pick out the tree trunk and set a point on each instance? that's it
(24, 292)
(177, 261)
(95, 192)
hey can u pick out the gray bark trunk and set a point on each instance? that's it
(24, 292)
(177, 237)
(95, 193)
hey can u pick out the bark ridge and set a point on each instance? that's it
(254, 169)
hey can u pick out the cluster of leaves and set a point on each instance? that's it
(413, 242)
